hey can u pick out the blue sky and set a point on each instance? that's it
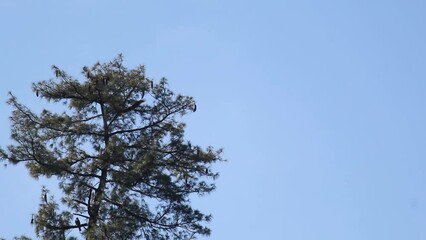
(319, 105)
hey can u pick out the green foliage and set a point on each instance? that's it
(119, 154)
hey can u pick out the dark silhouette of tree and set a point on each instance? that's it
(119, 153)
(21, 238)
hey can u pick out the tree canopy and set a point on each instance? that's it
(119, 153)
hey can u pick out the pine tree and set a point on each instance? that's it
(119, 154)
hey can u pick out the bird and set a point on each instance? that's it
(57, 72)
(45, 197)
(152, 84)
(86, 70)
(106, 80)
(37, 93)
(134, 105)
(77, 222)
(32, 218)
(195, 108)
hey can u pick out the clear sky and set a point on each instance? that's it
(319, 105)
